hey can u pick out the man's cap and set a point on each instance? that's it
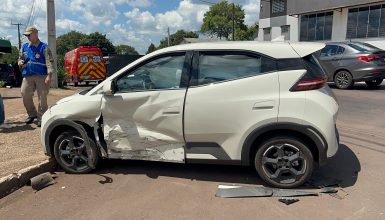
(30, 30)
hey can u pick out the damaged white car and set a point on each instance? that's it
(242, 103)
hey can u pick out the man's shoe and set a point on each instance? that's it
(39, 124)
(29, 120)
(5, 126)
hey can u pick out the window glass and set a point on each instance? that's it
(304, 24)
(285, 31)
(374, 21)
(219, 67)
(351, 31)
(364, 47)
(278, 7)
(382, 21)
(316, 26)
(266, 34)
(162, 73)
(329, 50)
(363, 14)
(341, 50)
(366, 22)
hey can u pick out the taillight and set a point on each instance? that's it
(368, 58)
(309, 84)
(11, 74)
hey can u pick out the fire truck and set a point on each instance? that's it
(84, 64)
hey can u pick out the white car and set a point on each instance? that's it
(242, 103)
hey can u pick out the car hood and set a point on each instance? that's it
(305, 48)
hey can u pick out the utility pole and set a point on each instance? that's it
(51, 32)
(233, 20)
(18, 32)
(168, 34)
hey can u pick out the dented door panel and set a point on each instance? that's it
(143, 119)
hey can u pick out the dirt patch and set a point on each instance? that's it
(20, 146)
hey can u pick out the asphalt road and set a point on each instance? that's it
(150, 190)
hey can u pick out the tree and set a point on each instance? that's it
(99, 40)
(177, 38)
(10, 57)
(151, 48)
(69, 41)
(125, 49)
(218, 20)
(250, 33)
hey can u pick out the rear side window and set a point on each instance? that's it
(216, 67)
(364, 47)
(331, 50)
(314, 69)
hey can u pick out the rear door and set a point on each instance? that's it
(330, 58)
(231, 94)
(143, 119)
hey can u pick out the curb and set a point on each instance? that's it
(14, 181)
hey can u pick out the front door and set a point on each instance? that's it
(143, 119)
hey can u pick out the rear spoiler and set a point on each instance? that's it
(305, 48)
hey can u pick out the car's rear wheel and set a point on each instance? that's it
(374, 83)
(71, 154)
(284, 162)
(343, 80)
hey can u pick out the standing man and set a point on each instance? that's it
(36, 64)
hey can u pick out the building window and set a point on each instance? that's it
(316, 26)
(267, 34)
(285, 31)
(366, 22)
(278, 7)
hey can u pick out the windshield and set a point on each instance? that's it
(364, 47)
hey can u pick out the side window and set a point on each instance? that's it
(162, 73)
(341, 50)
(219, 67)
(329, 50)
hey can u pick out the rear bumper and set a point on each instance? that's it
(368, 74)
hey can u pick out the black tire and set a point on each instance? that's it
(67, 150)
(343, 80)
(284, 162)
(374, 83)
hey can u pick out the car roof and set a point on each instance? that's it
(272, 49)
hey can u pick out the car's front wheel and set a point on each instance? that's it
(374, 83)
(284, 162)
(71, 154)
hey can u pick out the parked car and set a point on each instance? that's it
(349, 62)
(243, 103)
(7, 75)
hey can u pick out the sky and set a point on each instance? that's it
(137, 23)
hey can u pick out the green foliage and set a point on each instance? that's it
(10, 57)
(61, 75)
(250, 33)
(125, 50)
(69, 41)
(151, 48)
(218, 21)
(177, 38)
(99, 40)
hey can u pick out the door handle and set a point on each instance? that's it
(264, 105)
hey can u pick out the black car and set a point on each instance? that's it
(8, 75)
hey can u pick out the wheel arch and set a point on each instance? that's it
(62, 125)
(309, 135)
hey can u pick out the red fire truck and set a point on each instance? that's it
(84, 64)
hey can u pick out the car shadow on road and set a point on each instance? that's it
(361, 86)
(342, 169)
(17, 128)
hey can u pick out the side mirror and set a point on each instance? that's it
(109, 88)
